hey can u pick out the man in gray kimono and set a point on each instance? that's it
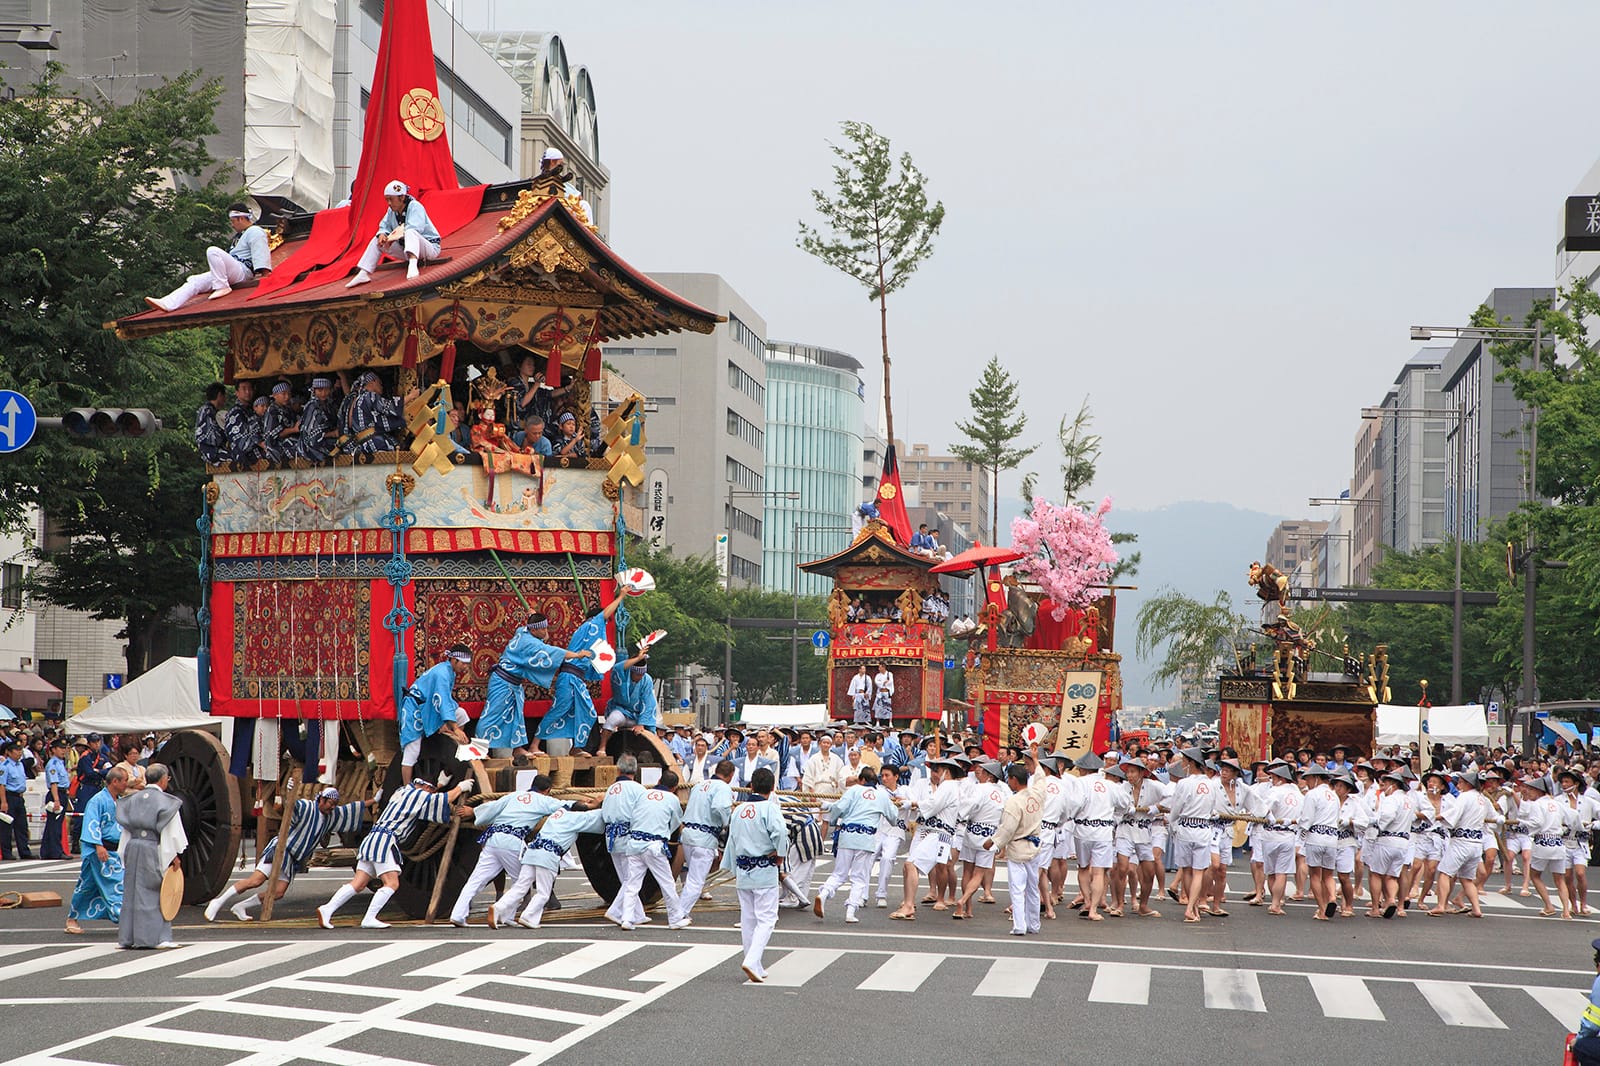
(152, 839)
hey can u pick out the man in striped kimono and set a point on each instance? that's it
(309, 825)
(379, 856)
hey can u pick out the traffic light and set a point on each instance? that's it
(109, 422)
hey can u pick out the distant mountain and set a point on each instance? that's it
(1193, 547)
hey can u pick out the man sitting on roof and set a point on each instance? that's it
(247, 257)
(405, 229)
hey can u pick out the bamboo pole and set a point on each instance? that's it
(444, 870)
(269, 891)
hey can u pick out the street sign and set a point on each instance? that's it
(1494, 713)
(684, 703)
(733, 705)
(18, 420)
(820, 653)
(113, 681)
(949, 664)
(1541, 714)
(820, 639)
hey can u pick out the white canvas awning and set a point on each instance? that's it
(165, 698)
(770, 715)
(1444, 725)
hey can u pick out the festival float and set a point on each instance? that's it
(327, 588)
(1047, 672)
(1284, 704)
(875, 618)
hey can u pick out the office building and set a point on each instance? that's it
(1368, 484)
(945, 483)
(1414, 492)
(705, 439)
(1330, 553)
(1291, 545)
(558, 111)
(1492, 479)
(295, 74)
(815, 403)
(1581, 226)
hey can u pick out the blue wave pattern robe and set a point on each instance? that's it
(502, 723)
(636, 699)
(99, 891)
(571, 715)
(429, 703)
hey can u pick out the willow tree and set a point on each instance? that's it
(1192, 638)
(877, 226)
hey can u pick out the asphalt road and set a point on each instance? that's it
(1248, 988)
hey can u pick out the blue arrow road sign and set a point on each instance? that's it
(820, 639)
(17, 421)
(684, 703)
(949, 664)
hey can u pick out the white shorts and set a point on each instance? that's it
(617, 719)
(1519, 843)
(978, 856)
(1384, 858)
(1097, 854)
(1222, 846)
(1066, 843)
(1345, 862)
(1277, 853)
(1136, 851)
(1430, 845)
(1553, 864)
(377, 869)
(924, 853)
(285, 875)
(1461, 859)
(1191, 854)
(1158, 837)
(1322, 856)
(1577, 856)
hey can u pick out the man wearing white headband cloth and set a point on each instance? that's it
(551, 162)
(310, 823)
(405, 230)
(247, 257)
(572, 715)
(633, 699)
(318, 429)
(430, 707)
(379, 856)
(527, 660)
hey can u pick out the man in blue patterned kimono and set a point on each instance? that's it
(208, 435)
(430, 707)
(242, 424)
(309, 825)
(99, 891)
(318, 431)
(280, 428)
(633, 699)
(527, 660)
(572, 714)
(375, 419)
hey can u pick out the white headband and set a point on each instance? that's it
(238, 214)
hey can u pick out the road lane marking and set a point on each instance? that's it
(904, 971)
(1011, 978)
(1342, 996)
(589, 957)
(287, 954)
(70, 957)
(799, 966)
(476, 959)
(1566, 1005)
(1457, 1004)
(146, 961)
(1233, 990)
(1121, 982)
(690, 961)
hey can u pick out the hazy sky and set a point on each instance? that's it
(1216, 220)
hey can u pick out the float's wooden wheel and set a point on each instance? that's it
(199, 766)
(602, 873)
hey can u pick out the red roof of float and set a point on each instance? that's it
(476, 243)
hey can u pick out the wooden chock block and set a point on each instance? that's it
(40, 899)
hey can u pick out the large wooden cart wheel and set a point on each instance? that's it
(199, 766)
(602, 873)
(646, 747)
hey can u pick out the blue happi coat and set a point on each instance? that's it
(531, 661)
(571, 714)
(429, 703)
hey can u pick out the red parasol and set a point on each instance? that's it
(976, 558)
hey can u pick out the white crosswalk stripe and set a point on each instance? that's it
(1342, 996)
(1457, 1004)
(1233, 990)
(1119, 982)
(1011, 978)
(903, 971)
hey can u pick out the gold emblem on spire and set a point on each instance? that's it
(422, 115)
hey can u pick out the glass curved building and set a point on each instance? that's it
(816, 410)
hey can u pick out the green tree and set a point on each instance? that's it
(99, 206)
(1188, 639)
(878, 225)
(1080, 459)
(688, 602)
(761, 657)
(997, 420)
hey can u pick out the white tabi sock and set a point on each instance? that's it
(222, 900)
(340, 898)
(252, 900)
(379, 898)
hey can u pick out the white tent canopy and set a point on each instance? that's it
(165, 698)
(773, 715)
(1443, 725)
